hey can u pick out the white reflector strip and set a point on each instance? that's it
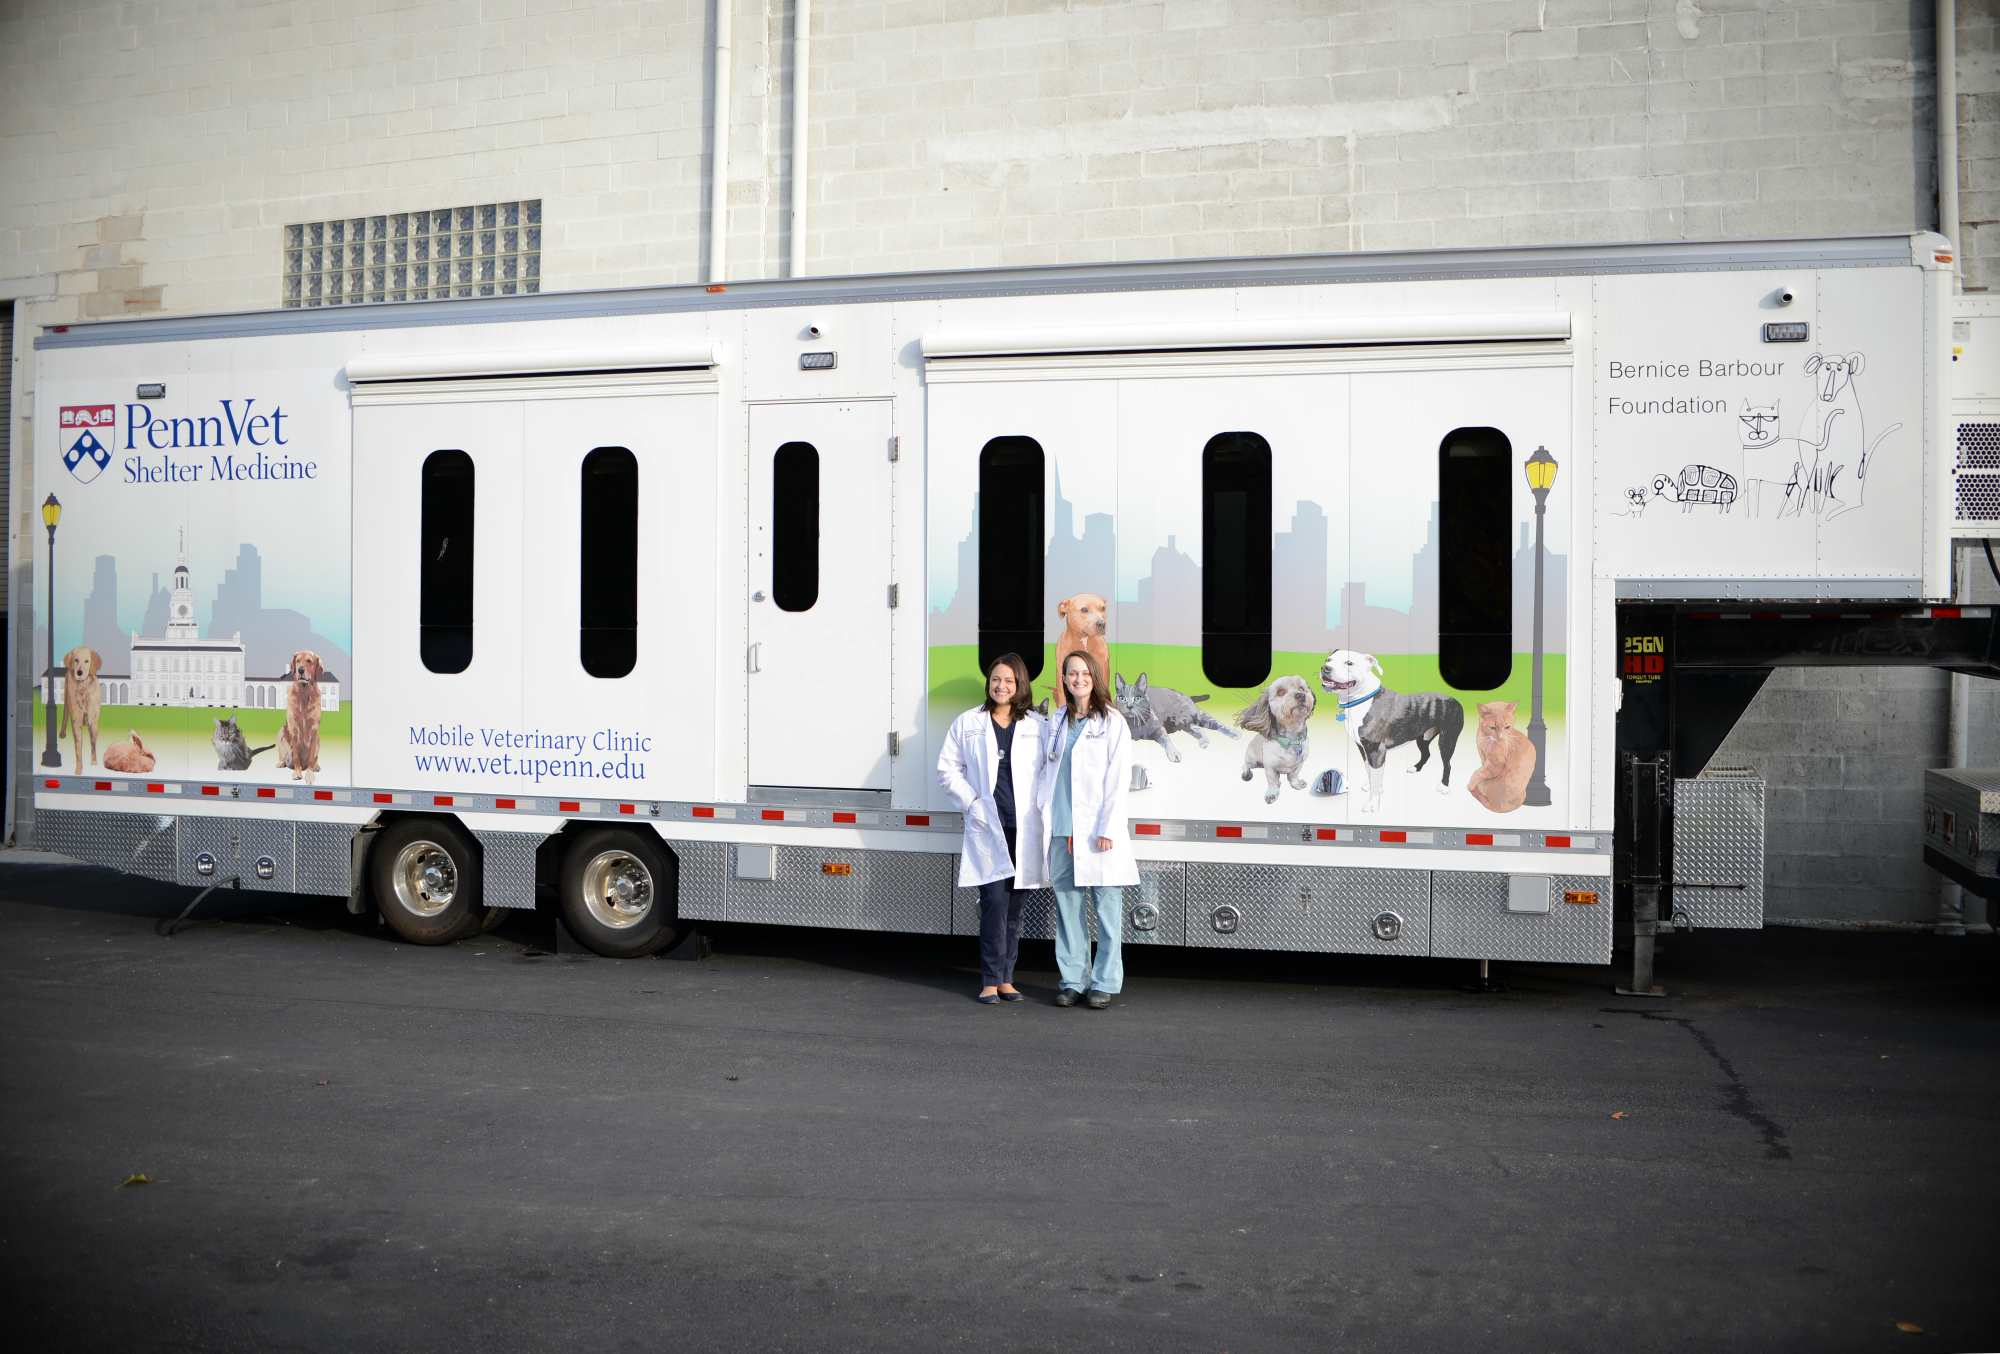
(1293, 333)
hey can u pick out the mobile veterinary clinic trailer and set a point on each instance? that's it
(666, 597)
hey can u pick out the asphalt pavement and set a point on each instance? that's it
(816, 1140)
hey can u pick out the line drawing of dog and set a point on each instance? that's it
(83, 698)
(1278, 719)
(128, 755)
(1084, 623)
(298, 741)
(1155, 712)
(1386, 719)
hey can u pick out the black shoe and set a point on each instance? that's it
(1068, 997)
(1097, 1001)
(1012, 996)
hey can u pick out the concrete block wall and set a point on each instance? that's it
(953, 133)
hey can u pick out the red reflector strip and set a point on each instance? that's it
(703, 813)
(1146, 829)
(52, 784)
(1329, 834)
(918, 820)
(843, 818)
(774, 815)
(1557, 841)
(1394, 837)
(503, 803)
(442, 801)
(1229, 832)
(1704, 615)
(267, 793)
(150, 789)
(322, 794)
(626, 808)
(567, 805)
(1949, 613)
(211, 789)
(385, 799)
(1479, 839)
(104, 785)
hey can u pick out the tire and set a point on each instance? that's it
(427, 881)
(620, 893)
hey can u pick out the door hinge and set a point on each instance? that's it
(895, 448)
(895, 743)
(892, 596)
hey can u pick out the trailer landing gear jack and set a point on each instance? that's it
(1485, 983)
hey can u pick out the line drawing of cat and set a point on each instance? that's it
(232, 750)
(1506, 759)
(1787, 465)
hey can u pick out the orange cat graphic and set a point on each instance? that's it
(1506, 759)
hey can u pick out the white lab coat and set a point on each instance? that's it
(968, 768)
(1100, 775)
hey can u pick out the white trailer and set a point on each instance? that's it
(665, 597)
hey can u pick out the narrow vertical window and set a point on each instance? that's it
(1012, 551)
(795, 526)
(444, 576)
(608, 555)
(1236, 559)
(1475, 564)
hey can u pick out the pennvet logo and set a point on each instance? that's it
(84, 456)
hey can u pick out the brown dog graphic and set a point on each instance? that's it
(83, 697)
(1084, 623)
(298, 742)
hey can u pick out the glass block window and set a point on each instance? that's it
(489, 250)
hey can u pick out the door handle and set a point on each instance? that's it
(750, 659)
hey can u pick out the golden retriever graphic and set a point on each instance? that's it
(298, 742)
(82, 699)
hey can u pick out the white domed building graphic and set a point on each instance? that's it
(181, 668)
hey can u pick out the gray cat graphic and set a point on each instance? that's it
(232, 750)
(1155, 712)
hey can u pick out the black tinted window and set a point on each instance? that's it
(795, 526)
(444, 605)
(608, 555)
(1011, 551)
(1236, 559)
(1475, 559)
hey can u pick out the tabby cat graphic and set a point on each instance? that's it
(1506, 759)
(232, 750)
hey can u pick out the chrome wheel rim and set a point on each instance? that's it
(425, 878)
(617, 889)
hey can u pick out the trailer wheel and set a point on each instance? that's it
(427, 881)
(620, 893)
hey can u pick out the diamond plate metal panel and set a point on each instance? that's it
(1719, 839)
(1163, 888)
(702, 868)
(323, 860)
(1315, 908)
(507, 867)
(236, 844)
(138, 843)
(1470, 920)
(883, 891)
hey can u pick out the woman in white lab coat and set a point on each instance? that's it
(1086, 766)
(988, 767)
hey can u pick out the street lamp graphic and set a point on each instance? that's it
(1541, 477)
(1541, 468)
(51, 754)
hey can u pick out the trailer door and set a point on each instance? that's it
(820, 578)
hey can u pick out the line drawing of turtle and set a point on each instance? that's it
(1697, 484)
